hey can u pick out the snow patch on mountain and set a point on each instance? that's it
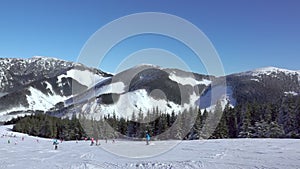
(269, 71)
(117, 87)
(223, 101)
(134, 101)
(8, 110)
(7, 117)
(188, 80)
(36, 100)
(40, 101)
(209, 98)
(85, 77)
(291, 93)
(256, 80)
(3, 93)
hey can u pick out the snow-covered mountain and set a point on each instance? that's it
(145, 87)
(279, 81)
(39, 83)
(139, 89)
(63, 88)
(270, 71)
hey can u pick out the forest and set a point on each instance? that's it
(250, 120)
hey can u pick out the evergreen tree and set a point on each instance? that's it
(221, 130)
(231, 120)
(246, 129)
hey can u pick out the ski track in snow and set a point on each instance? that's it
(211, 154)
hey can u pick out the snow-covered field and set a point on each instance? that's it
(231, 153)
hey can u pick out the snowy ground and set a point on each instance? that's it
(231, 153)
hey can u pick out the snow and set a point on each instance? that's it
(224, 94)
(39, 101)
(134, 102)
(49, 86)
(4, 116)
(208, 154)
(270, 70)
(291, 93)
(2, 93)
(253, 79)
(85, 77)
(117, 87)
(188, 80)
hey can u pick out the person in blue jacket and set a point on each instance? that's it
(55, 143)
(147, 138)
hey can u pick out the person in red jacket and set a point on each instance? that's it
(92, 141)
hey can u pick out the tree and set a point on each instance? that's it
(221, 130)
(246, 129)
(231, 120)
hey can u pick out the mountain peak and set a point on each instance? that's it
(44, 57)
(268, 71)
(146, 65)
(272, 69)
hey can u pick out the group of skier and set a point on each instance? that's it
(93, 141)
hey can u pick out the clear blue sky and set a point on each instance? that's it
(246, 33)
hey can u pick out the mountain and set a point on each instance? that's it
(264, 85)
(139, 89)
(145, 87)
(39, 83)
(62, 89)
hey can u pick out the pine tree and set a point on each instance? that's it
(221, 130)
(246, 129)
(231, 120)
(197, 126)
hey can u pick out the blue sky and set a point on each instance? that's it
(247, 34)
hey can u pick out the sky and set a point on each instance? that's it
(246, 34)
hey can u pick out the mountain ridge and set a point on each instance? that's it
(70, 88)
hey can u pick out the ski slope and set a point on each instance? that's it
(209, 154)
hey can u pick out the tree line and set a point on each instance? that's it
(250, 120)
(43, 125)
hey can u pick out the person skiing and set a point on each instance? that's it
(55, 143)
(92, 141)
(147, 138)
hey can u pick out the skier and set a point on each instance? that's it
(55, 143)
(92, 141)
(147, 138)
